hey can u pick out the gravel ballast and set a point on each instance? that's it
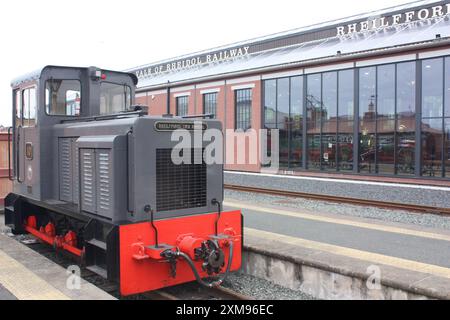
(260, 289)
(422, 195)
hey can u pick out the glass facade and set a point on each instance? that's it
(315, 115)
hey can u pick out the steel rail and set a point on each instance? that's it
(346, 200)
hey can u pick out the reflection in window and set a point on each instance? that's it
(114, 98)
(329, 121)
(314, 110)
(346, 94)
(367, 98)
(447, 87)
(345, 117)
(63, 97)
(432, 98)
(385, 119)
(367, 110)
(283, 119)
(296, 99)
(406, 118)
(432, 142)
(296, 145)
(270, 101)
(447, 148)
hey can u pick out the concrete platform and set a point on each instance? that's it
(334, 257)
(26, 275)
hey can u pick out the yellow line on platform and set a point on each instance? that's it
(358, 224)
(23, 283)
(370, 257)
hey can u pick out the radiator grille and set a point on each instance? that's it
(179, 186)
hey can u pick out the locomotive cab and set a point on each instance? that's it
(50, 96)
(94, 176)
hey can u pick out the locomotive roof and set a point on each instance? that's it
(36, 74)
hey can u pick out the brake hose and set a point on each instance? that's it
(197, 276)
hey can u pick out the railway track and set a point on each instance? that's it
(346, 200)
(190, 291)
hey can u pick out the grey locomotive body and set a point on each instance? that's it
(86, 162)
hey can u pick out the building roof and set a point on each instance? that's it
(304, 44)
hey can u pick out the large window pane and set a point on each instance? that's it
(432, 86)
(314, 106)
(367, 98)
(296, 124)
(432, 141)
(367, 147)
(270, 101)
(447, 87)
(329, 145)
(346, 94)
(313, 147)
(367, 112)
(386, 92)
(447, 148)
(406, 89)
(329, 120)
(284, 147)
(406, 143)
(329, 96)
(345, 146)
(385, 119)
(386, 147)
(283, 103)
(314, 98)
(406, 118)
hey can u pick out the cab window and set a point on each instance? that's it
(114, 98)
(63, 97)
(29, 105)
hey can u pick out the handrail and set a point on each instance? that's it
(17, 153)
(10, 177)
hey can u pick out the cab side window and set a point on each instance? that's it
(18, 108)
(63, 97)
(29, 105)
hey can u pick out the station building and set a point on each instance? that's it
(365, 95)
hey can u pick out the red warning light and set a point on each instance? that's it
(103, 76)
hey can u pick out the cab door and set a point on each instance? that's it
(25, 136)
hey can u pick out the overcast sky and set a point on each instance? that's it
(123, 34)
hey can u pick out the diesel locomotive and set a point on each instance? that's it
(94, 176)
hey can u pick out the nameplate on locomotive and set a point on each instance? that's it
(172, 126)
